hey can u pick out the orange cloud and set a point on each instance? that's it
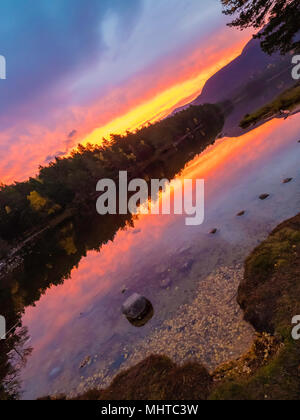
(148, 96)
(178, 89)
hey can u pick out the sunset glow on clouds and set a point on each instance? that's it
(76, 74)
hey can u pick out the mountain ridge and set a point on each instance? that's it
(248, 82)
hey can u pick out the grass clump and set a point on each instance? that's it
(288, 100)
(155, 378)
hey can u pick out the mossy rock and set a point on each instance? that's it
(270, 298)
(270, 291)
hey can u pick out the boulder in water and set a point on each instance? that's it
(137, 309)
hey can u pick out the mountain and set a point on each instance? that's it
(247, 83)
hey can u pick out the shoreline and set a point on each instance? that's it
(261, 238)
(269, 370)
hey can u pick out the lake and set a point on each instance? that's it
(80, 338)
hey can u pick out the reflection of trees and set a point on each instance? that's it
(13, 356)
(53, 257)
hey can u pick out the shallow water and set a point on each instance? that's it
(190, 276)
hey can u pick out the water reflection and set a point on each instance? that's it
(160, 258)
(54, 258)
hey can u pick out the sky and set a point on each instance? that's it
(78, 71)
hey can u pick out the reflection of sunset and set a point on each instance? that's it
(234, 151)
(230, 152)
(100, 274)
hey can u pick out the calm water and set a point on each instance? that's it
(78, 334)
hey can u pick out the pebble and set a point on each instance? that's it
(241, 213)
(264, 196)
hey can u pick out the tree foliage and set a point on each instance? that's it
(278, 21)
(69, 184)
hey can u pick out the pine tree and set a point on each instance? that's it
(277, 22)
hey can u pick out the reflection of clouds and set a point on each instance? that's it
(99, 273)
(94, 289)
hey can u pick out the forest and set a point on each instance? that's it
(67, 186)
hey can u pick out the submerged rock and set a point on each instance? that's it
(86, 362)
(55, 372)
(137, 309)
(264, 196)
(161, 269)
(241, 213)
(124, 290)
(186, 267)
(166, 282)
(213, 231)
